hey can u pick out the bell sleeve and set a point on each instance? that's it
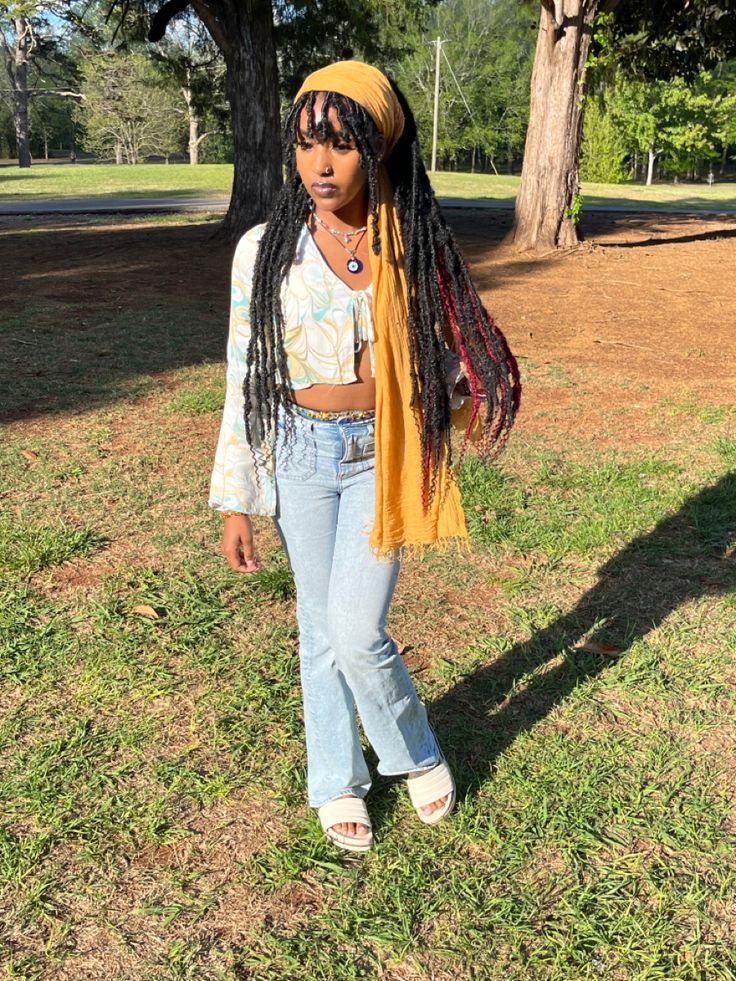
(242, 476)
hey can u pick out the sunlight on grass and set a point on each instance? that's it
(28, 549)
(91, 180)
(182, 180)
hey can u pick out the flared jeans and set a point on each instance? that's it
(325, 501)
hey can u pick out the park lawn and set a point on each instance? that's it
(578, 666)
(54, 181)
(695, 197)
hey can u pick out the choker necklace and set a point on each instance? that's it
(353, 265)
(336, 231)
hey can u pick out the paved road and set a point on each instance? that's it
(103, 205)
(114, 205)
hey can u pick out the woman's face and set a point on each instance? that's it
(329, 170)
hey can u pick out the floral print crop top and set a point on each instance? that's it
(326, 324)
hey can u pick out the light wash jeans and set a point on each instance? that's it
(325, 496)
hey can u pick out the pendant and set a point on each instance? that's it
(354, 265)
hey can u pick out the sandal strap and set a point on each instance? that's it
(344, 810)
(431, 785)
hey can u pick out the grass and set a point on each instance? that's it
(151, 760)
(32, 548)
(92, 180)
(52, 181)
(695, 197)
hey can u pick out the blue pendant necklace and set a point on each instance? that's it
(353, 265)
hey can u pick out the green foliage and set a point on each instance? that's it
(311, 33)
(575, 210)
(690, 132)
(603, 150)
(489, 46)
(188, 57)
(682, 123)
(50, 70)
(655, 40)
(129, 110)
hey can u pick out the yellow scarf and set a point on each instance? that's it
(401, 522)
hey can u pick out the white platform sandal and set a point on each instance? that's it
(346, 810)
(430, 786)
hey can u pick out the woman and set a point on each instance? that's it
(354, 331)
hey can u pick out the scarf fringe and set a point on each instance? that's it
(459, 545)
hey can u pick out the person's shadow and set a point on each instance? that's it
(685, 556)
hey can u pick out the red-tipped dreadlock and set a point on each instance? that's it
(442, 300)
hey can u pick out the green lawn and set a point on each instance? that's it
(49, 181)
(698, 197)
(578, 667)
(92, 180)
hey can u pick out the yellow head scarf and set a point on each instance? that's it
(402, 523)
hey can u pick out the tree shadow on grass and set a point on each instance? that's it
(96, 314)
(92, 315)
(686, 556)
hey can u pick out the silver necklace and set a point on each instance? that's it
(353, 265)
(336, 231)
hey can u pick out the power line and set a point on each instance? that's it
(462, 96)
(435, 115)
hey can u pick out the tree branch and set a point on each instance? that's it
(213, 24)
(163, 16)
(64, 93)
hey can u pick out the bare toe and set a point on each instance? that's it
(435, 805)
(351, 830)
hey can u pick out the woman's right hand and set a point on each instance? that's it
(237, 543)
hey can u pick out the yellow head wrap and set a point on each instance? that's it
(367, 86)
(403, 520)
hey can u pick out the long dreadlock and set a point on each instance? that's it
(442, 301)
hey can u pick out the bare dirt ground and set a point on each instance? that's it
(643, 312)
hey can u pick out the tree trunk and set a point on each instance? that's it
(724, 161)
(243, 30)
(23, 44)
(118, 153)
(650, 165)
(549, 177)
(193, 117)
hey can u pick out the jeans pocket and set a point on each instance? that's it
(295, 452)
(360, 448)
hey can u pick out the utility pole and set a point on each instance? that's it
(438, 43)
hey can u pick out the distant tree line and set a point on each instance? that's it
(610, 89)
(669, 130)
(79, 88)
